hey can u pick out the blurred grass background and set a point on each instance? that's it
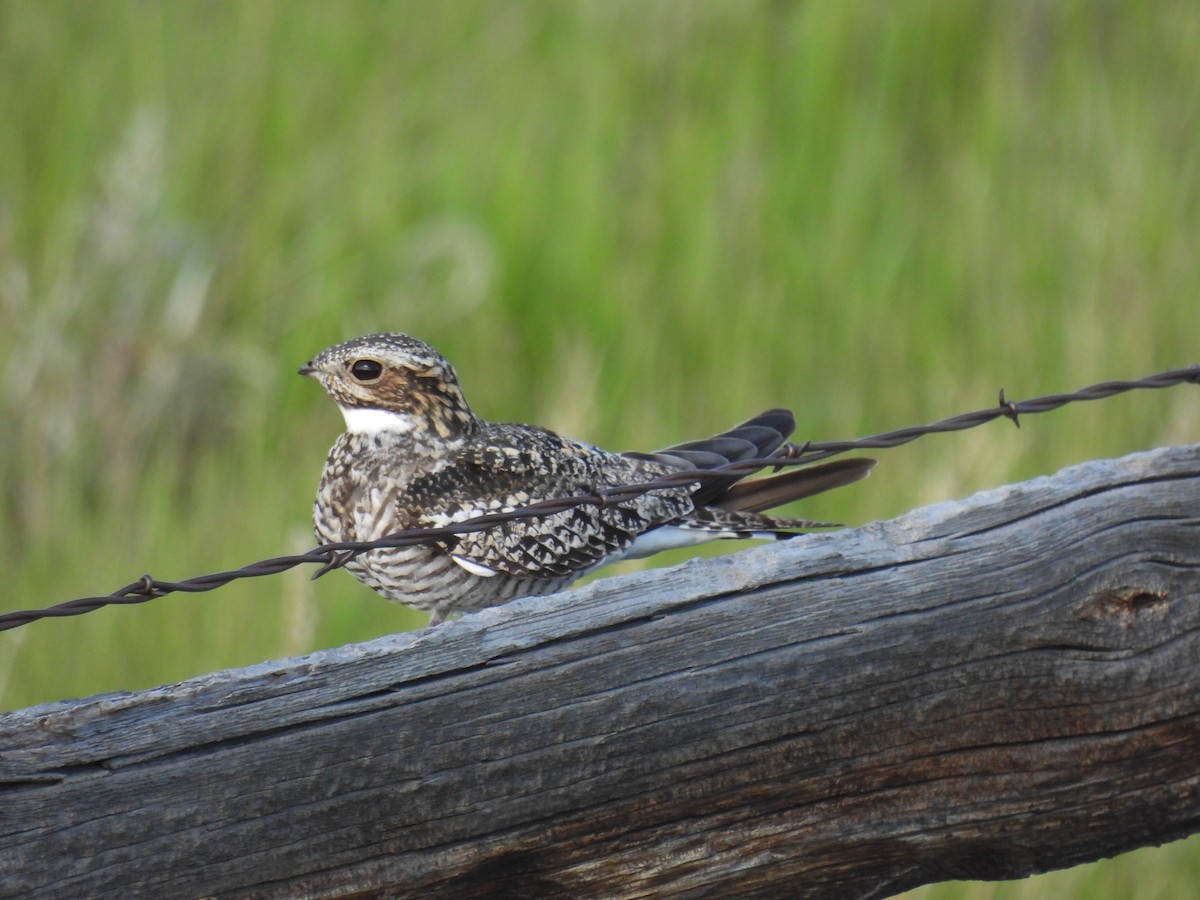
(634, 222)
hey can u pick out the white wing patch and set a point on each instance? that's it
(473, 567)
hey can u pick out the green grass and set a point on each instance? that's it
(633, 222)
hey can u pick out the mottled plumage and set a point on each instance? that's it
(415, 455)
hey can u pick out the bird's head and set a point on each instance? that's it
(392, 383)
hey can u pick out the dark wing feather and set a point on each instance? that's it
(756, 438)
(758, 494)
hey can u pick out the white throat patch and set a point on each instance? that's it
(376, 421)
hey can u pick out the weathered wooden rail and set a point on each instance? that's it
(982, 689)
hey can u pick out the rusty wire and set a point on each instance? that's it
(336, 555)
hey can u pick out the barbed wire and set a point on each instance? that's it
(335, 555)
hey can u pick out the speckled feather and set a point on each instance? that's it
(506, 466)
(414, 454)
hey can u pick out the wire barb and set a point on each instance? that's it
(335, 556)
(334, 561)
(1010, 409)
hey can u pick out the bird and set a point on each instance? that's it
(415, 455)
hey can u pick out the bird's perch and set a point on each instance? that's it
(982, 689)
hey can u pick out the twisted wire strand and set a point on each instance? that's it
(335, 555)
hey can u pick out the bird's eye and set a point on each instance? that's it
(366, 369)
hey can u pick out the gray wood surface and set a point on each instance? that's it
(981, 689)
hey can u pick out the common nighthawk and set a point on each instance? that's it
(415, 455)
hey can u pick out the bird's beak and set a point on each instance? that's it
(306, 369)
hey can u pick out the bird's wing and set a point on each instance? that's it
(513, 466)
